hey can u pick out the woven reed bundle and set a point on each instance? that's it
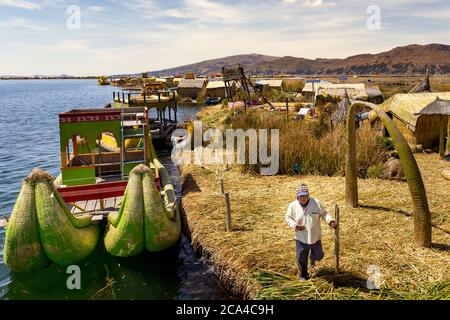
(23, 251)
(66, 239)
(162, 226)
(42, 230)
(124, 235)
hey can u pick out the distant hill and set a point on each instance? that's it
(215, 65)
(408, 60)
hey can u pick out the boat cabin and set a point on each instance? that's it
(84, 157)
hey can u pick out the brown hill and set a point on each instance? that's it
(215, 65)
(408, 60)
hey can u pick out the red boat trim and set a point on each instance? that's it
(102, 190)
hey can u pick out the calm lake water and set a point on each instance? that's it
(29, 138)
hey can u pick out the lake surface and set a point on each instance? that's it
(29, 138)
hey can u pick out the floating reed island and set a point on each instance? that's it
(256, 259)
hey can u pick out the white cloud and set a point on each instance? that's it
(20, 4)
(21, 23)
(96, 8)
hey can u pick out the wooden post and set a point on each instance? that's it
(448, 134)
(222, 190)
(227, 204)
(336, 241)
(287, 108)
(442, 139)
(74, 146)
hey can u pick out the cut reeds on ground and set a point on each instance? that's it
(257, 259)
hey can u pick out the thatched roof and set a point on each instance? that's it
(309, 86)
(373, 91)
(437, 107)
(354, 91)
(405, 106)
(271, 83)
(215, 84)
(424, 86)
(188, 83)
(341, 113)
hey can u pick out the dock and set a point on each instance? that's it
(161, 105)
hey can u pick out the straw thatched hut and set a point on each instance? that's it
(418, 129)
(374, 95)
(340, 116)
(439, 108)
(309, 90)
(336, 92)
(273, 84)
(191, 88)
(216, 89)
(423, 86)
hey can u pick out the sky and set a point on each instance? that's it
(112, 37)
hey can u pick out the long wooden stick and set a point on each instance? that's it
(336, 241)
(222, 190)
(227, 204)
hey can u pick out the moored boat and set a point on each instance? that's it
(59, 220)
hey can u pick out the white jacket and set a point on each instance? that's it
(309, 218)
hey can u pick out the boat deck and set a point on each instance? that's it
(96, 208)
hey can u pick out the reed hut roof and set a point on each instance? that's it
(405, 106)
(271, 83)
(423, 86)
(373, 91)
(354, 91)
(191, 83)
(341, 113)
(215, 85)
(437, 107)
(309, 86)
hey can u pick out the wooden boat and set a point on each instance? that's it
(63, 216)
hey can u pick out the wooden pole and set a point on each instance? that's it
(222, 190)
(287, 108)
(336, 241)
(228, 207)
(442, 139)
(448, 134)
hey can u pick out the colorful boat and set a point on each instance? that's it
(59, 220)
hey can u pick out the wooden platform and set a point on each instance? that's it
(94, 207)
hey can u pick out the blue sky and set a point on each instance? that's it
(137, 35)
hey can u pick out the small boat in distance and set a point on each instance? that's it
(103, 81)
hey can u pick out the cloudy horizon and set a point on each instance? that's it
(115, 37)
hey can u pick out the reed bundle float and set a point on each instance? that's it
(59, 220)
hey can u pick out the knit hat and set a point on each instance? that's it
(302, 191)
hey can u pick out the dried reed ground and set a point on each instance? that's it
(257, 259)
